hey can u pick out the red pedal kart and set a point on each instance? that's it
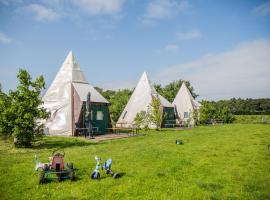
(56, 169)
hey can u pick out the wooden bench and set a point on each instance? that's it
(214, 121)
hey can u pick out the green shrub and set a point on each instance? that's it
(21, 110)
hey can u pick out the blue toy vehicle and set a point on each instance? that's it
(106, 166)
(96, 174)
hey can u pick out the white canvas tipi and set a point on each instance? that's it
(185, 104)
(140, 99)
(65, 97)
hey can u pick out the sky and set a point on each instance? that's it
(221, 47)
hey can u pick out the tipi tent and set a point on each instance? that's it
(185, 105)
(66, 99)
(140, 99)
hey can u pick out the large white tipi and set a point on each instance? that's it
(65, 98)
(185, 105)
(139, 101)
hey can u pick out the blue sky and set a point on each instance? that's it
(222, 47)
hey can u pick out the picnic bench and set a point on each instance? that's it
(173, 124)
(214, 121)
(85, 131)
(119, 130)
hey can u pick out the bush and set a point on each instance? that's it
(21, 110)
(212, 110)
(141, 120)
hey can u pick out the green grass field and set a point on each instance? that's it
(216, 162)
(252, 119)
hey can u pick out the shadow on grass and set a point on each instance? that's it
(210, 186)
(121, 174)
(54, 180)
(61, 143)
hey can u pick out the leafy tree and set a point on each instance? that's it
(24, 110)
(170, 90)
(213, 110)
(154, 113)
(6, 117)
(196, 116)
(207, 111)
(141, 119)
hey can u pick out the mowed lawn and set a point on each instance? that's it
(215, 162)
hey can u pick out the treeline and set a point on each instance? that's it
(245, 106)
(119, 98)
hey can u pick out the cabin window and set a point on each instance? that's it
(125, 115)
(186, 114)
(99, 115)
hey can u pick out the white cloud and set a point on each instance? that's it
(95, 7)
(242, 72)
(171, 47)
(162, 9)
(42, 13)
(192, 34)
(4, 39)
(262, 9)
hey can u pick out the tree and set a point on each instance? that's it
(214, 110)
(170, 90)
(206, 111)
(195, 116)
(141, 120)
(6, 117)
(154, 112)
(24, 109)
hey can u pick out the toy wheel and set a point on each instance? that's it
(116, 175)
(92, 175)
(42, 177)
(70, 165)
(95, 175)
(71, 175)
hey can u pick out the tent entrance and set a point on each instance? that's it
(99, 118)
(168, 120)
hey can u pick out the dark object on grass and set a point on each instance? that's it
(179, 141)
(56, 169)
(269, 147)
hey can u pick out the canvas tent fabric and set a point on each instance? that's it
(185, 104)
(65, 96)
(139, 101)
